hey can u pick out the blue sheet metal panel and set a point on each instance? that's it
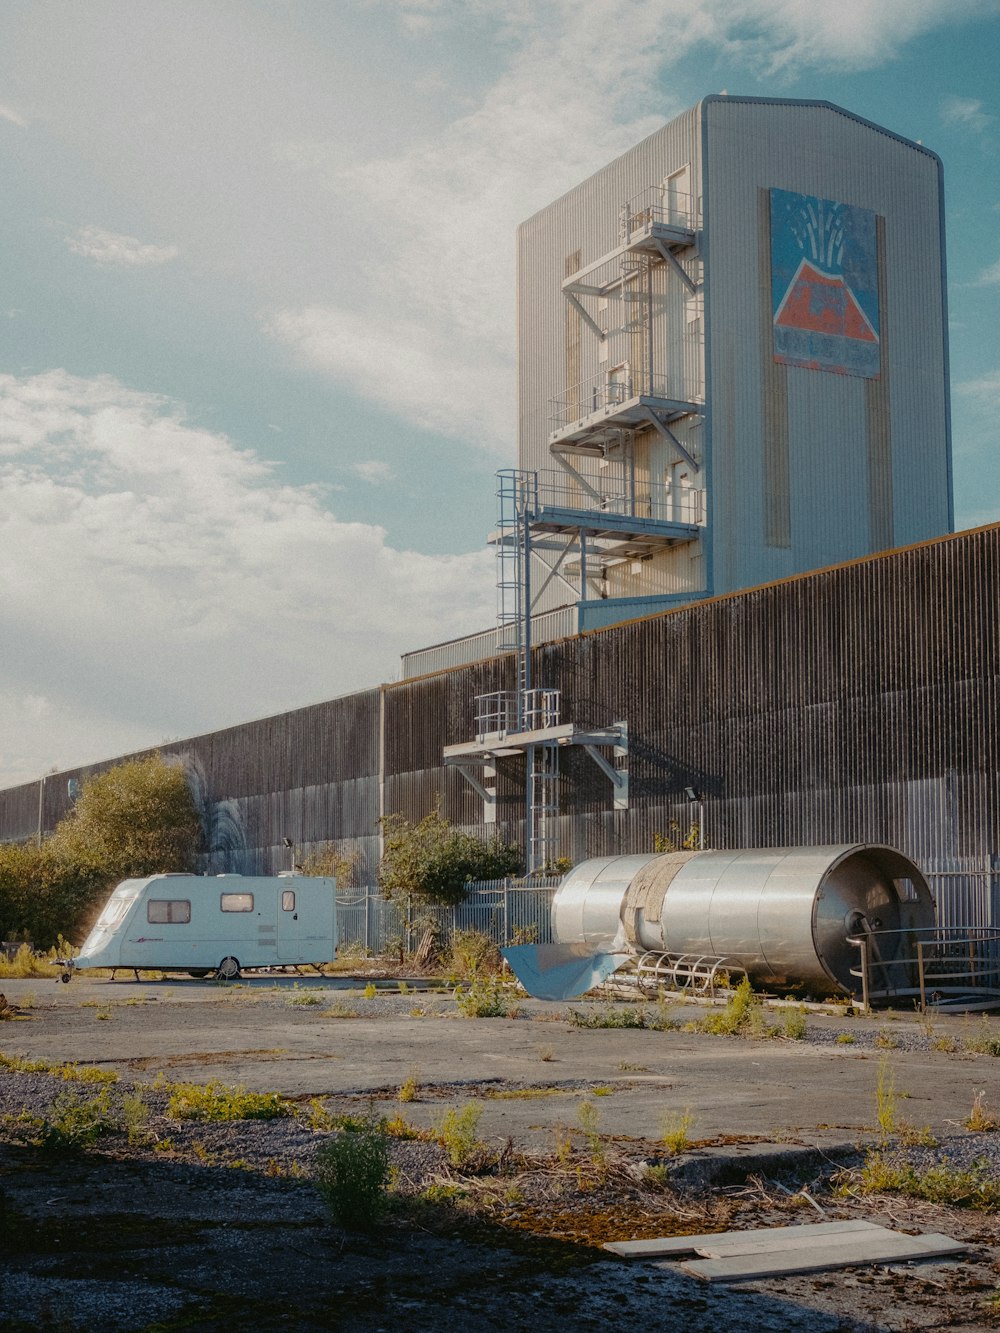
(817, 151)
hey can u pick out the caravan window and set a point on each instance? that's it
(168, 911)
(288, 900)
(237, 902)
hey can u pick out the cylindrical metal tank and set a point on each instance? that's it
(783, 914)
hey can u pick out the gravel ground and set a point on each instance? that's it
(198, 1225)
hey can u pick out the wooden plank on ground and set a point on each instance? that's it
(664, 1245)
(842, 1252)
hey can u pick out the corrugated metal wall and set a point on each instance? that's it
(857, 703)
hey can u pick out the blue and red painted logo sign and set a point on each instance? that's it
(824, 285)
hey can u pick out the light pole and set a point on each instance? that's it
(698, 798)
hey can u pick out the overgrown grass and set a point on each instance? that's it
(675, 1131)
(608, 1016)
(352, 1173)
(71, 1073)
(27, 963)
(474, 954)
(72, 1124)
(958, 1187)
(984, 1041)
(214, 1102)
(979, 1119)
(456, 1133)
(487, 997)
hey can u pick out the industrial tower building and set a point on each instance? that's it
(733, 369)
(732, 352)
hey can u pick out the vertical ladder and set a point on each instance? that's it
(517, 493)
(542, 804)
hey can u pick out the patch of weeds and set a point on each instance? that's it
(307, 997)
(340, 1011)
(985, 1042)
(409, 1089)
(519, 1094)
(398, 1127)
(404, 989)
(948, 1044)
(545, 1053)
(743, 1016)
(885, 1041)
(886, 1108)
(979, 1119)
(135, 1118)
(73, 1122)
(214, 1102)
(590, 1119)
(608, 1017)
(487, 997)
(627, 1068)
(456, 1133)
(27, 963)
(474, 954)
(316, 1116)
(564, 1145)
(103, 1013)
(602, 1090)
(658, 1175)
(71, 1073)
(968, 1187)
(846, 1038)
(793, 1025)
(371, 990)
(675, 1131)
(352, 1174)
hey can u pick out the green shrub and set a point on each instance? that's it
(956, 1187)
(352, 1174)
(73, 1122)
(473, 953)
(609, 1016)
(212, 1101)
(456, 1132)
(675, 1131)
(487, 997)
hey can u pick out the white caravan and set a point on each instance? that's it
(219, 924)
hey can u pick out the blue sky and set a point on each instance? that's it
(257, 313)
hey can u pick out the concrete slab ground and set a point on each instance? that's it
(322, 1037)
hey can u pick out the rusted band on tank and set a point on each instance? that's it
(644, 896)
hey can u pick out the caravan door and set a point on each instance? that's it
(306, 920)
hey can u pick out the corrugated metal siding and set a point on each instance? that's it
(857, 703)
(819, 151)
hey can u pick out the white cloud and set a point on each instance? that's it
(430, 333)
(990, 276)
(373, 470)
(9, 114)
(108, 247)
(967, 112)
(157, 580)
(983, 392)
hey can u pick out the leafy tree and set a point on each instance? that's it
(138, 818)
(330, 861)
(434, 861)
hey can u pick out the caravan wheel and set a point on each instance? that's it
(229, 969)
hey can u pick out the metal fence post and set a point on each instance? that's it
(920, 974)
(506, 911)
